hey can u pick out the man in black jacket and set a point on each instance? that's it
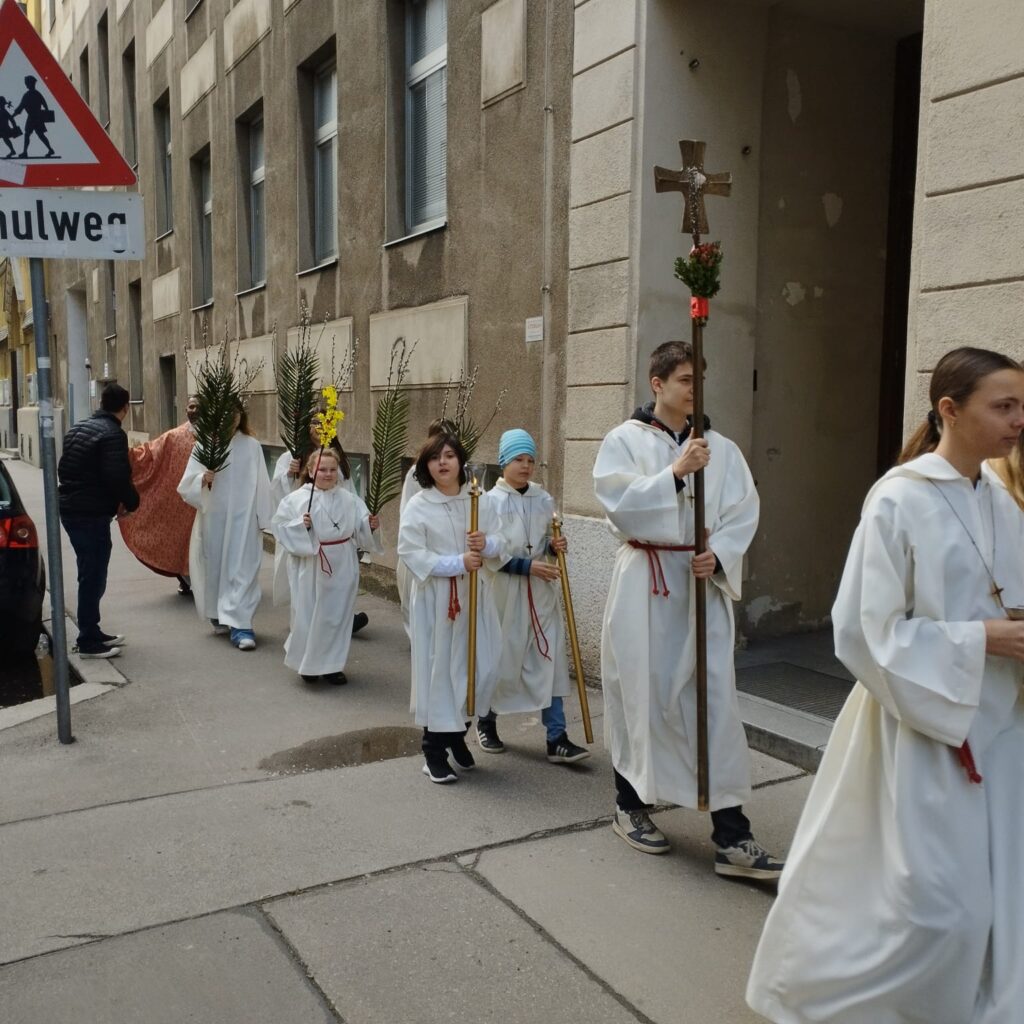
(95, 481)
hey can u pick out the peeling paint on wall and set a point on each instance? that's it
(818, 291)
(794, 293)
(760, 607)
(833, 208)
(782, 204)
(796, 101)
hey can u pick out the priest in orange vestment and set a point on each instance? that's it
(158, 533)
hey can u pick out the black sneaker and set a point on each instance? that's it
(438, 770)
(564, 751)
(747, 859)
(311, 679)
(359, 621)
(336, 678)
(462, 755)
(487, 735)
(113, 640)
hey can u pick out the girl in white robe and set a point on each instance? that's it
(533, 674)
(226, 547)
(287, 476)
(902, 901)
(322, 564)
(410, 486)
(648, 638)
(435, 543)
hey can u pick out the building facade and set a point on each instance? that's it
(446, 171)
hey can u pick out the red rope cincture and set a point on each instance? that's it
(325, 562)
(654, 561)
(538, 629)
(453, 598)
(966, 757)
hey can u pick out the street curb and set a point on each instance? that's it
(95, 678)
(784, 733)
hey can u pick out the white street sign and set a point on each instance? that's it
(65, 224)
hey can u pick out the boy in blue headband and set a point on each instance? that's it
(533, 672)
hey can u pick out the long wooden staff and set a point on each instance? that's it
(474, 525)
(694, 183)
(574, 643)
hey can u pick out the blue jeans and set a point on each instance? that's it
(90, 537)
(552, 717)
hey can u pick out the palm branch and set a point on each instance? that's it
(296, 377)
(221, 388)
(390, 432)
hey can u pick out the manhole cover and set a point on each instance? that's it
(795, 687)
(361, 746)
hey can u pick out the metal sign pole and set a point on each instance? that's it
(48, 454)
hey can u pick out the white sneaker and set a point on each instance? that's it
(747, 859)
(639, 831)
(106, 653)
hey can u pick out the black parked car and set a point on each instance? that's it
(22, 574)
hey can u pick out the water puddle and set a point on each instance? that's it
(361, 746)
(24, 678)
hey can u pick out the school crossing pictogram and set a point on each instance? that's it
(48, 134)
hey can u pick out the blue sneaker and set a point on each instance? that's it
(243, 639)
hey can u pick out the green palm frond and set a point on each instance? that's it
(296, 377)
(221, 390)
(390, 433)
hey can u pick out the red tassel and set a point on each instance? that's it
(967, 760)
(453, 598)
(538, 629)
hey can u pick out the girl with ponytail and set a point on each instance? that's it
(902, 898)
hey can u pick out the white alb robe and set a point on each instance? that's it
(902, 901)
(322, 566)
(527, 680)
(433, 526)
(403, 577)
(226, 547)
(648, 640)
(281, 485)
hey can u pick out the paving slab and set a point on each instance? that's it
(130, 865)
(665, 932)
(430, 945)
(231, 968)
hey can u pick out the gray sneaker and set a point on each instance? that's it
(639, 831)
(747, 859)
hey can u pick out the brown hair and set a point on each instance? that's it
(442, 425)
(431, 450)
(243, 421)
(956, 375)
(310, 467)
(667, 356)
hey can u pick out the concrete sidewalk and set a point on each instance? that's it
(154, 872)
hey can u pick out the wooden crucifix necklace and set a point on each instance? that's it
(996, 591)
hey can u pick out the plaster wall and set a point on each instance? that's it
(502, 251)
(967, 273)
(825, 154)
(719, 102)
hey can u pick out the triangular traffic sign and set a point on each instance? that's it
(48, 134)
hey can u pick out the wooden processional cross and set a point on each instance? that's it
(695, 183)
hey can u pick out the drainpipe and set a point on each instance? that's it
(549, 378)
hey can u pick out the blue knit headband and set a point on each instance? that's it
(515, 442)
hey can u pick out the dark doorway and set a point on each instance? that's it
(168, 393)
(902, 176)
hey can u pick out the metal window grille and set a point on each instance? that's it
(257, 207)
(426, 113)
(325, 164)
